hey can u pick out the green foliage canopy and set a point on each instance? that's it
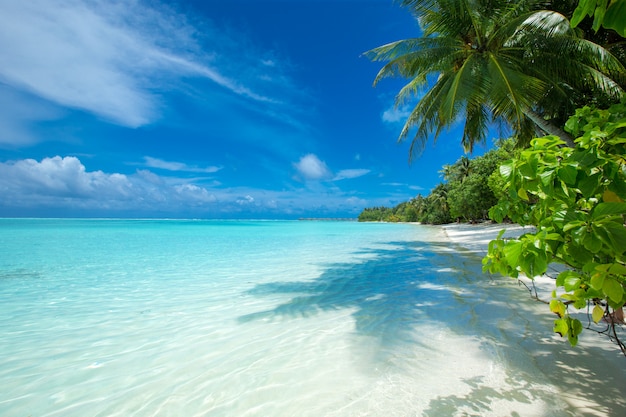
(576, 199)
(609, 14)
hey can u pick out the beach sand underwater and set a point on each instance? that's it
(272, 318)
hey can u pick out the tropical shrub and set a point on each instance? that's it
(575, 198)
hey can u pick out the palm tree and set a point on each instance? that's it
(493, 61)
(457, 172)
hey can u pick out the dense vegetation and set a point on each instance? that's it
(528, 65)
(576, 199)
(468, 192)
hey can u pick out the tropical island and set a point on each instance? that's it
(553, 74)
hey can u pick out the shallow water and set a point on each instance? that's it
(264, 318)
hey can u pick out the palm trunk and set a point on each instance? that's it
(549, 128)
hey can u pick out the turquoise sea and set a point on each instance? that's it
(275, 318)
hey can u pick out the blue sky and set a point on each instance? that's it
(203, 109)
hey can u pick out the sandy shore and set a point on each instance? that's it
(475, 238)
(591, 375)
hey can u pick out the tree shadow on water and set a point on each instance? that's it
(387, 291)
(395, 289)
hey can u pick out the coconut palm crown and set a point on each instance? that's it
(494, 61)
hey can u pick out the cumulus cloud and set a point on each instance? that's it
(60, 177)
(312, 168)
(65, 183)
(151, 162)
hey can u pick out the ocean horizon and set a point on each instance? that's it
(168, 317)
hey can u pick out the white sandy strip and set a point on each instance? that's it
(592, 375)
(475, 238)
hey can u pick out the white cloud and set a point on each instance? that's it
(248, 199)
(396, 114)
(60, 177)
(64, 183)
(191, 193)
(350, 173)
(312, 168)
(114, 58)
(151, 162)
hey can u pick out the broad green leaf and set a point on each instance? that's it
(614, 17)
(598, 15)
(597, 280)
(584, 8)
(557, 307)
(618, 269)
(561, 327)
(521, 193)
(560, 279)
(546, 178)
(574, 224)
(568, 174)
(608, 209)
(513, 252)
(592, 243)
(571, 283)
(575, 328)
(580, 303)
(613, 290)
(619, 188)
(506, 169)
(588, 185)
(598, 313)
(617, 234)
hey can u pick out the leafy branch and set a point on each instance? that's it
(575, 198)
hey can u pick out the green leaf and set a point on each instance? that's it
(597, 280)
(521, 193)
(608, 209)
(617, 234)
(513, 252)
(619, 188)
(614, 17)
(592, 243)
(506, 170)
(617, 269)
(568, 174)
(569, 226)
(588, 185)
(561, 327)
(560, 279)
(598, 15)
(575, 328)
(598, 313)
(571, 283)
(557, 307)
(613, 290)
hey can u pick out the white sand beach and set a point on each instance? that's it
(591, 375)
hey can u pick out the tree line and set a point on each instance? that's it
(471, 187)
